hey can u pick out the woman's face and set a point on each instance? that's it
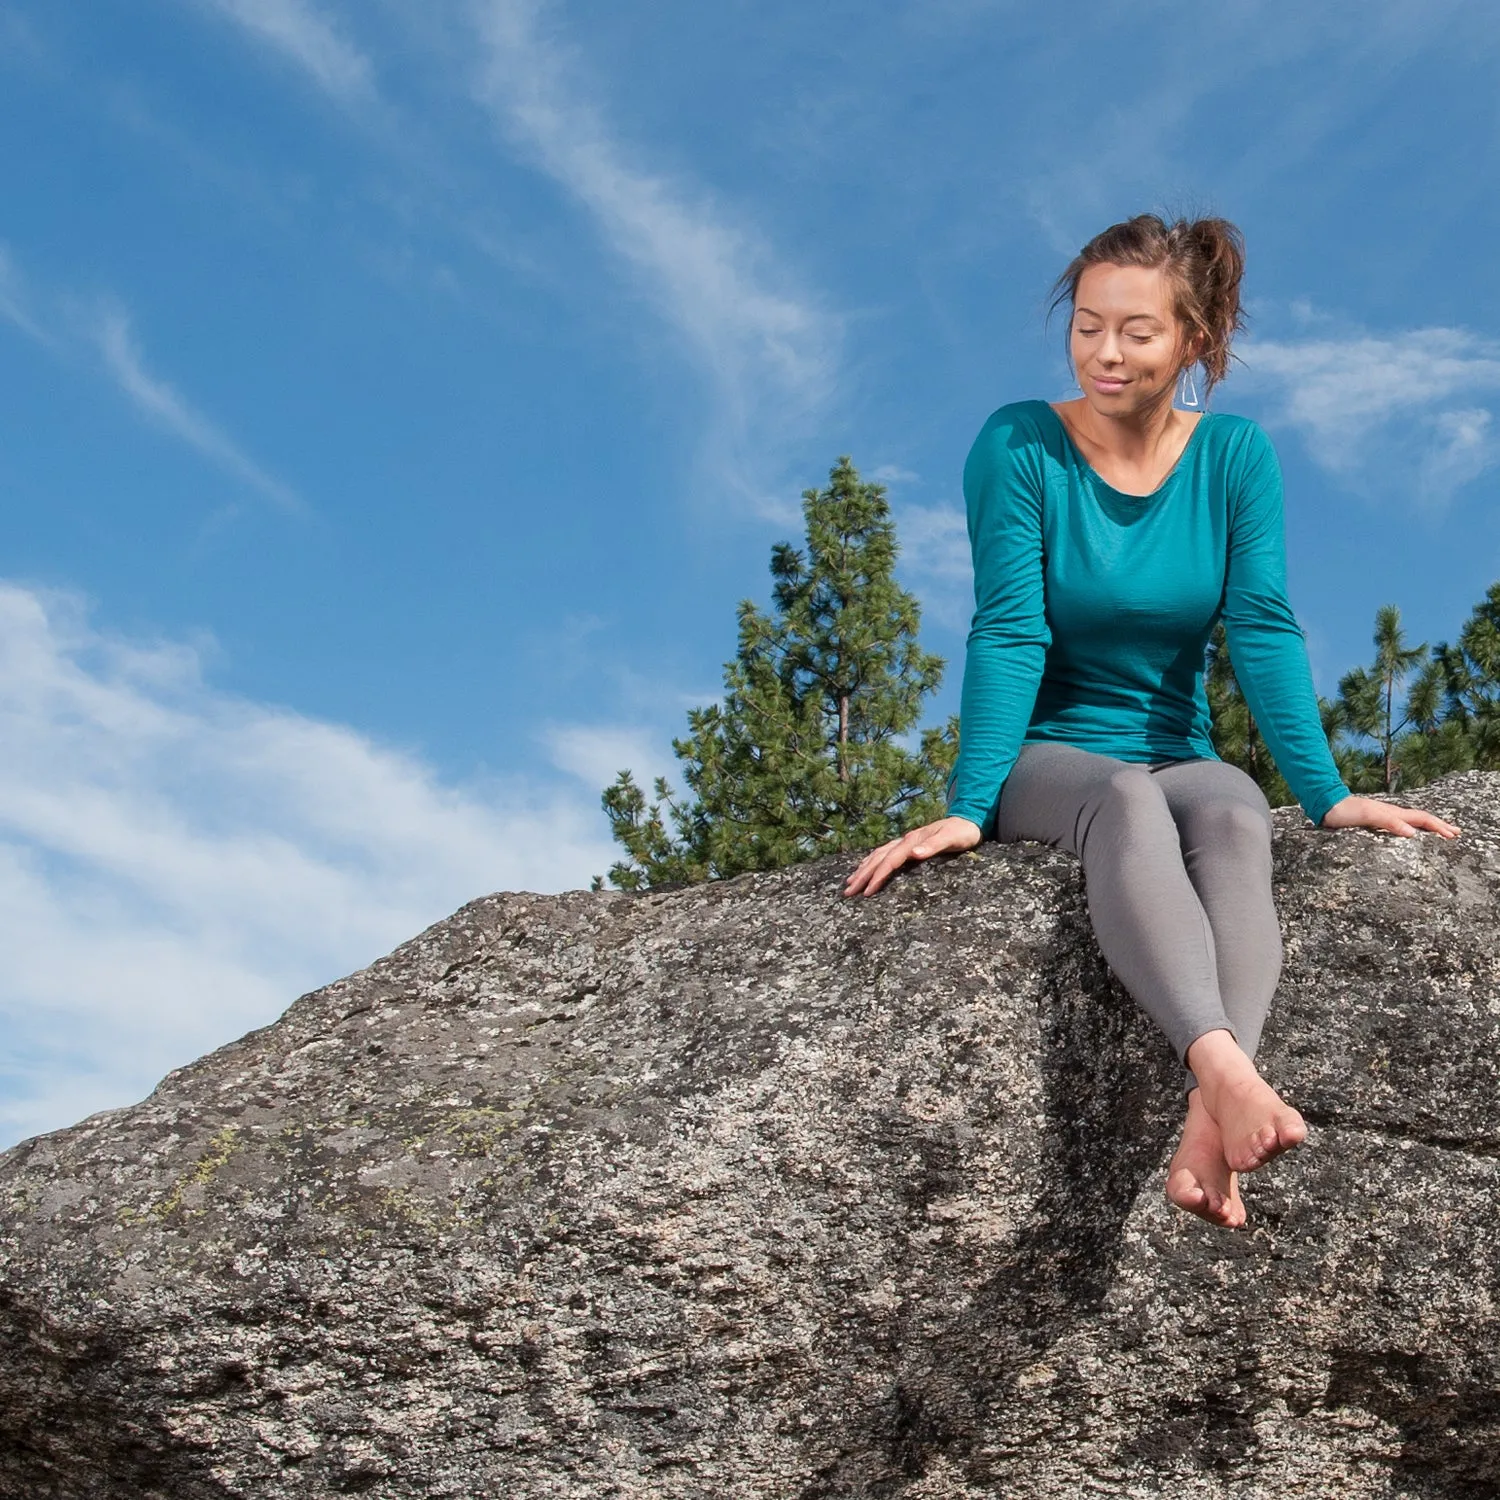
(1125, 339)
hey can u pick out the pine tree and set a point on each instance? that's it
(1470, 673)
(1354, 764)
(804, 755)
(1368, 708)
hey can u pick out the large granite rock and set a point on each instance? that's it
(747, 1191)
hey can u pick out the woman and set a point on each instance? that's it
(1110, 533)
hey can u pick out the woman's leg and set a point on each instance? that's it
(1235, 1117)
(1149, 921)
(1156, 936)
(1224, 823)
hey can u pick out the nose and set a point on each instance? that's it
(1110, 352)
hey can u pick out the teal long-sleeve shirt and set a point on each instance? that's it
(1093, 608)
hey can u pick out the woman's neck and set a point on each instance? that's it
(1133, 455)
(1134, 439)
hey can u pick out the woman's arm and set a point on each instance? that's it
(1269, 654)
(1007, 647)
(1266, 644)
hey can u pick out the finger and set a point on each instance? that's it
(868, 878)
(1431, 822)
(866, 866)
(887, 867)
(899, 854)
(1408, 820)
(861, 878)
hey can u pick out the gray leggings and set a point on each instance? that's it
(1177, 863)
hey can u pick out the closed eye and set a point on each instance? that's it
(1135, 338)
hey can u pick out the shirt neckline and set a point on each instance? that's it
(1100, 480)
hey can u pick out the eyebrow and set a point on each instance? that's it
(1134, 317)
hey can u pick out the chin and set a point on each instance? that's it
(1131, 399)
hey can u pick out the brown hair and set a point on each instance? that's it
(1204, 260)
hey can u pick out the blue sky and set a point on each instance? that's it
(399, 397)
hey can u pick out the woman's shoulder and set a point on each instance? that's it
(1242, 459)
(1019, 430)
(1033, 418)
(1011, 446)
(1241, 437)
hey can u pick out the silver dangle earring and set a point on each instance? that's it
(1187, 388)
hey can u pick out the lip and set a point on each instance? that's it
(1107, 383)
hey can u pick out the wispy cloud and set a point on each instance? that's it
(67, 326)
(1379, 409)
(15, 302)
(1297, 79)
(935, 554)
(157, 400)
(770, 349)
(309, 39)
(177, 864)
(893, 474)
(597, 753)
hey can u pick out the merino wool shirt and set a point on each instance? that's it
(1093, 607)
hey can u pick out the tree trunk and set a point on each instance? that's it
(844, 737)
(1390, 687)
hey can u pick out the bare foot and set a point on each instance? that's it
(1255, 1123)
(1199, 1178)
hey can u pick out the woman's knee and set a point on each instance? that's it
(1230, 823)
(1133, 791)
(1128, 801)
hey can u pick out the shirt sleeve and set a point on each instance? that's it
(1266, 645)
(1008, 640)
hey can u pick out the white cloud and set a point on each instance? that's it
(597, 753)
(62, 327)
(935, 552)
(770, 351)
(306, 36)
(155, 399)
(1375, 407)
(889, 474)
(1464, 450)
(177, 864)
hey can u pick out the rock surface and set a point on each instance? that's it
(746, 1191)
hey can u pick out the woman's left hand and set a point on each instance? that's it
(1385, 817)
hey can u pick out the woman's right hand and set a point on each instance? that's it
(946, 836)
